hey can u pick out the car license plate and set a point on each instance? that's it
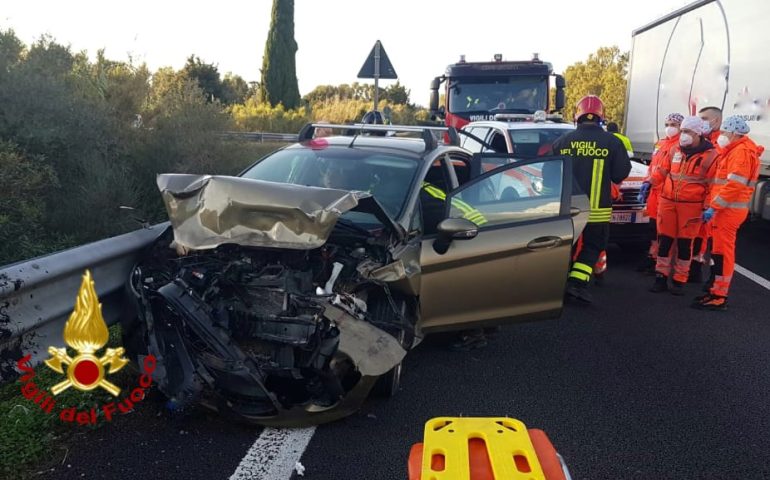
(622, 217)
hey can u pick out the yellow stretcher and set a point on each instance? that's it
(492, 448)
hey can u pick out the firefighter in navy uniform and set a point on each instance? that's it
(599, 159)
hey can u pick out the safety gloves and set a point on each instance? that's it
(708, 214)
(643, 192)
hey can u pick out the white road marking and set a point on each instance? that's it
(753, 276)
(274, 454)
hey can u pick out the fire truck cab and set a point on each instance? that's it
(475, 91)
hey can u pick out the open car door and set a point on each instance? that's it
(512, 264)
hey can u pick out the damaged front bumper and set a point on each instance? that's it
(251, 334)
(261, 302)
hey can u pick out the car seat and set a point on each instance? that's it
(509, 194)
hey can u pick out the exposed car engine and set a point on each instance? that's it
(258, 331)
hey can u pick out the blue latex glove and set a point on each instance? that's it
(708, 214)
(643, 192)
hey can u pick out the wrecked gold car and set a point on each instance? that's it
(285, 295)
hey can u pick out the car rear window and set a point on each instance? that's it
(534, 142)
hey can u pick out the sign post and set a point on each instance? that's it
(377, 66)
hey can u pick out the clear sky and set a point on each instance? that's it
(421, 37)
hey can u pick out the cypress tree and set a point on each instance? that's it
(279, 71)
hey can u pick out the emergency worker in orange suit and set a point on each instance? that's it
(684, 176)
(650, 195)
(733, 187)
(702, 243)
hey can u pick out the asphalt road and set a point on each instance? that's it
(639, 386)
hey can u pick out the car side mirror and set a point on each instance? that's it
(453, 229)
(560, 99)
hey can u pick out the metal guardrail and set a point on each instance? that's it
(263, 136)
(38, 295)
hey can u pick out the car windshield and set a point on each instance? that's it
(512, 94)
(534, 142)
(387, 176)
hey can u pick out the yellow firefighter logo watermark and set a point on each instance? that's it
(86, 333)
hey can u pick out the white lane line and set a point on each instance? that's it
(753, 276)
(274, 454)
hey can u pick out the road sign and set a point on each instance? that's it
(377, 64)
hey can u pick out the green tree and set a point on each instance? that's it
(72, 152)
(206, 75)
(11, 50)
(24, 180)
(234, 89)
(397, 94)
(279, 71)
(605, 74)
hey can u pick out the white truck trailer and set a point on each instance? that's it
(708, 53)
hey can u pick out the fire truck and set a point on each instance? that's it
(475, 91)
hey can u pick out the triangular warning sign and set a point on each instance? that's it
(370, 70)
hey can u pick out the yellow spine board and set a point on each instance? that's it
(505, 439)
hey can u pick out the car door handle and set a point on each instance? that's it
(574, 211)
(544, 242)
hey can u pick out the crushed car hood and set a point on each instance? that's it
(209, 210)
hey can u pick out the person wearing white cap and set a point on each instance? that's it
(728, 208)
(712, 118)
(648, 195)
(684, 176)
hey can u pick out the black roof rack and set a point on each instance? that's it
(427, 133)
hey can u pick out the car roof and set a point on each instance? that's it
(409, 146)
(520, 125)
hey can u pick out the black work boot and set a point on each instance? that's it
(677, 288)
(700, 298)
(712, 302)
(696, 272)
(710, 281)
(579, 291)
(661, 283)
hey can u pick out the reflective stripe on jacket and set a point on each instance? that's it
(686, 178)
(468, 211)
(626, 143)
(737, 174)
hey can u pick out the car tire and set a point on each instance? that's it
(388, 384)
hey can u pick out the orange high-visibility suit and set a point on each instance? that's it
(651, 209)
(701, 242)
(684, 180)
(733, 187)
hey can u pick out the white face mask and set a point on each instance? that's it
(685, 139)
(671, 131)
(723, 140)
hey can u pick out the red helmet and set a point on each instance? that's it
(589, 105)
